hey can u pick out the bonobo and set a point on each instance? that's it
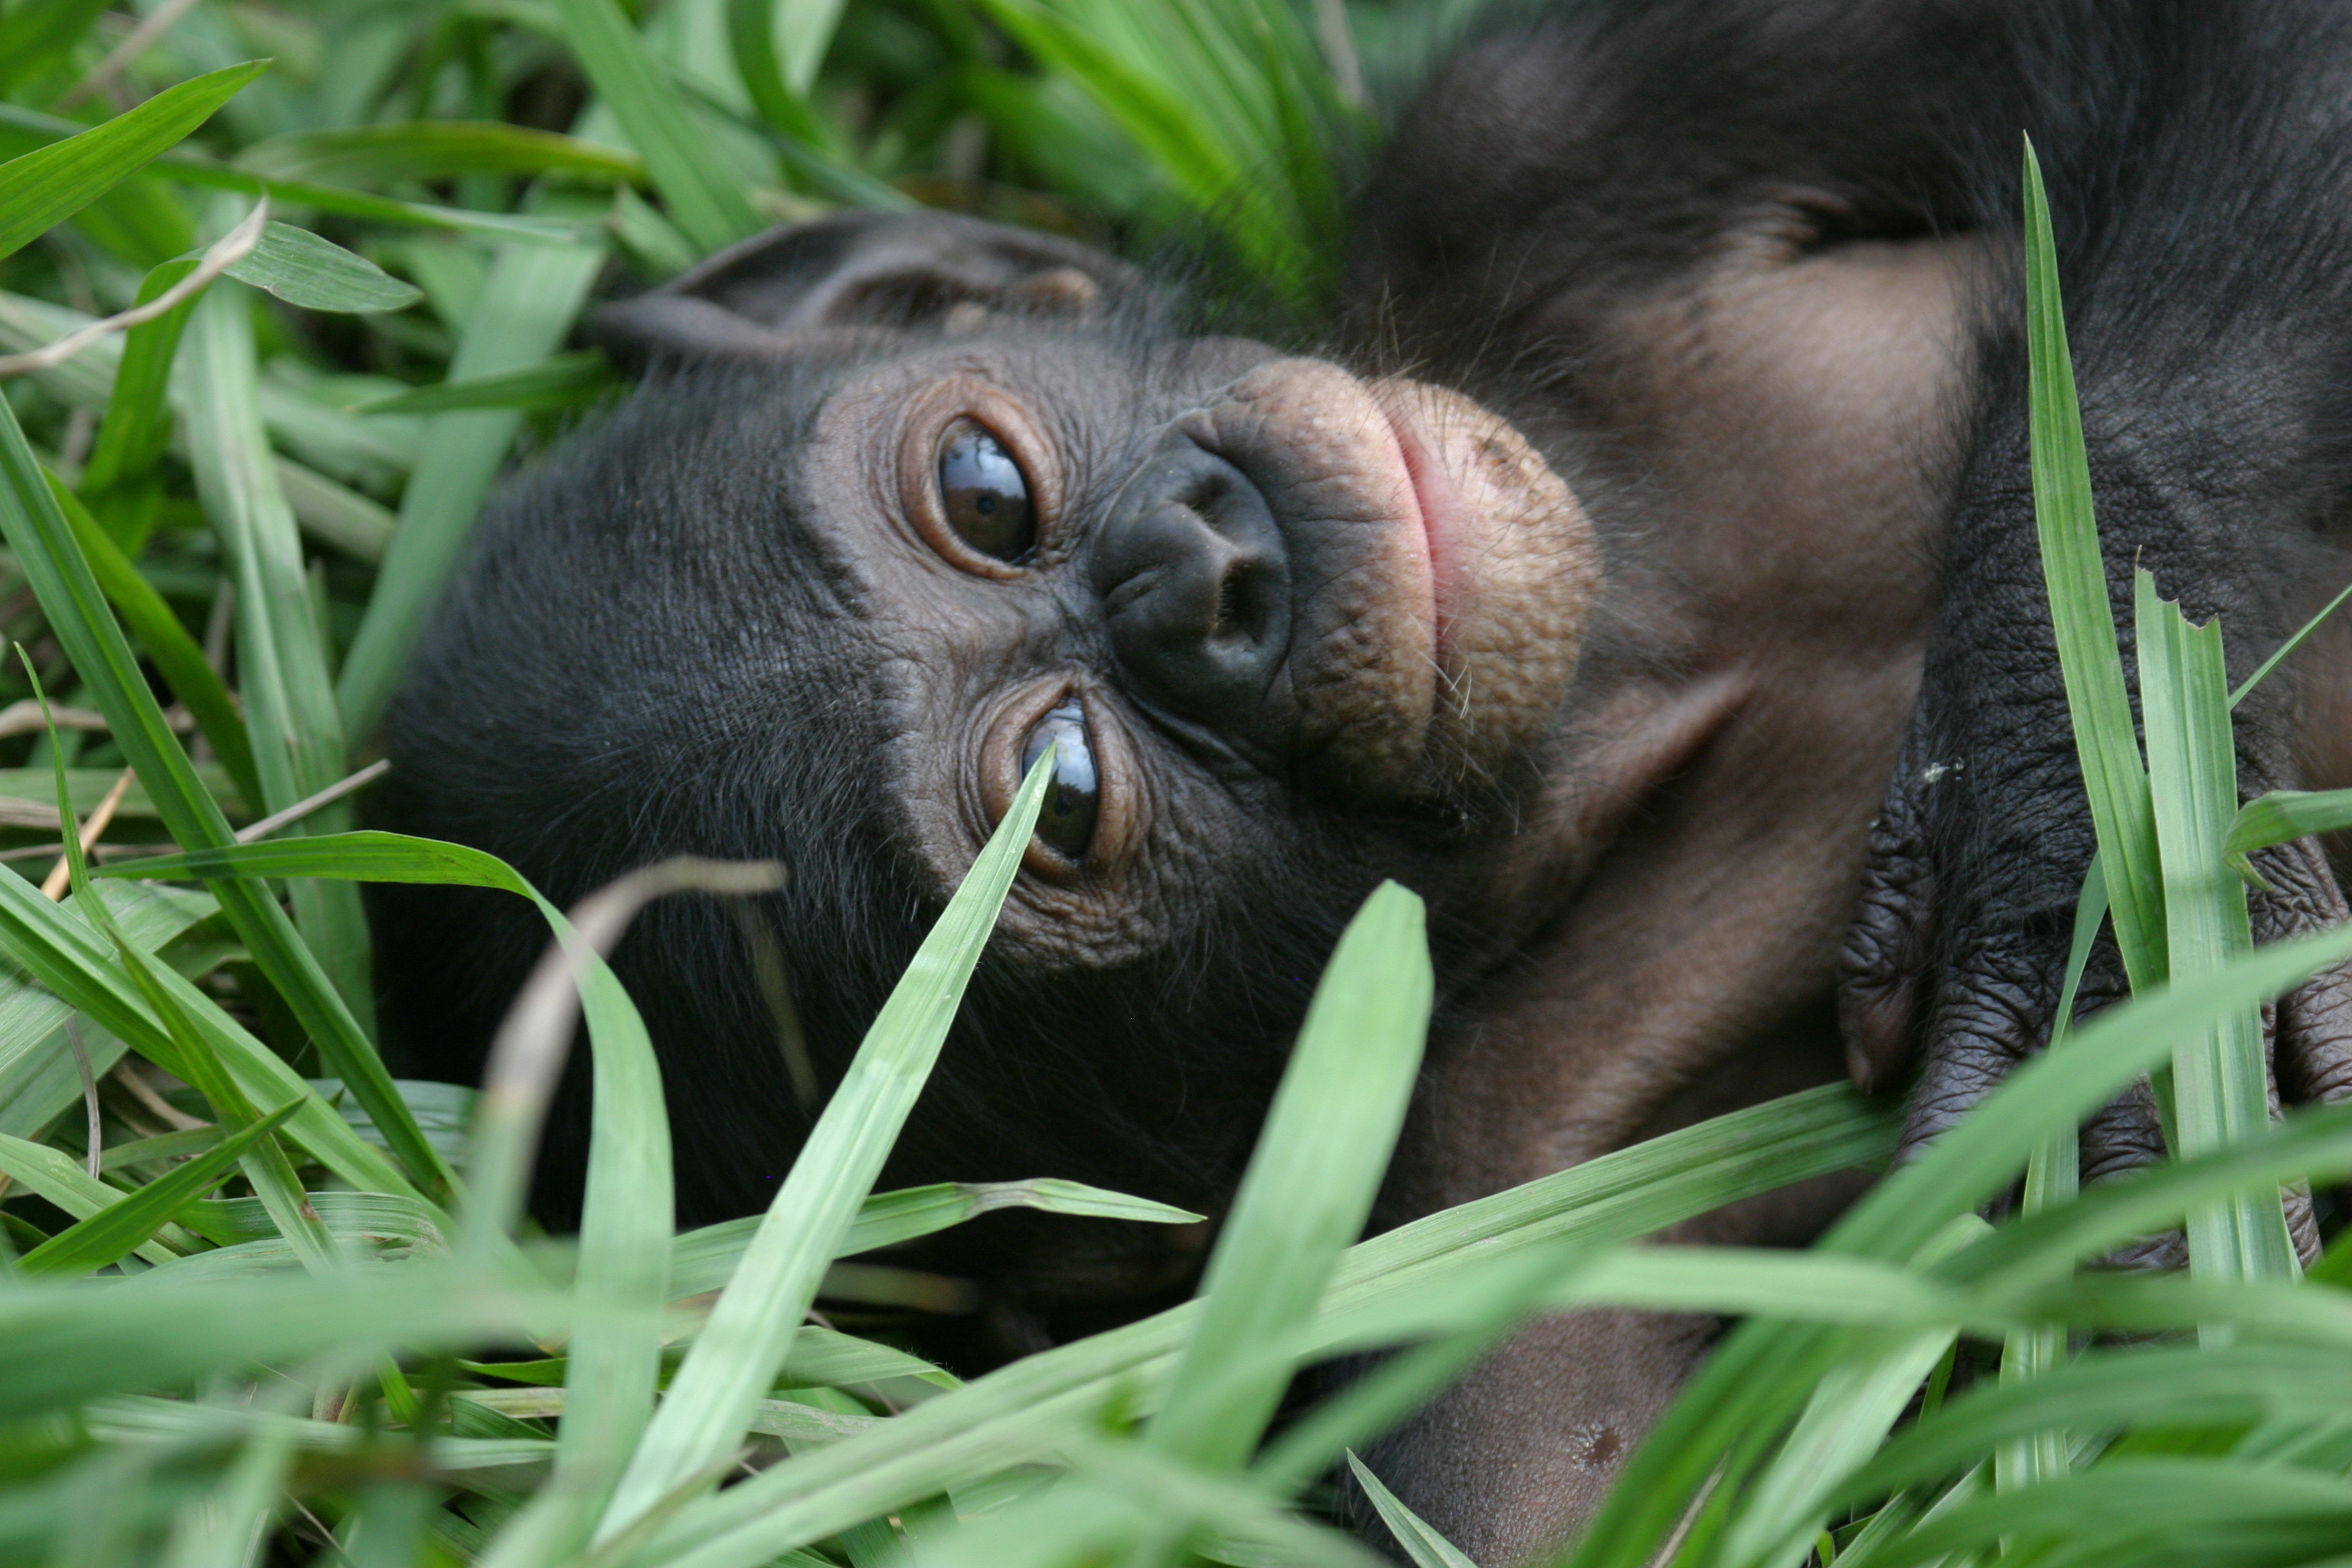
(1662, 465)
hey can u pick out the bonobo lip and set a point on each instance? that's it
(1514, 572)
(1440, 575)
(1436, 502)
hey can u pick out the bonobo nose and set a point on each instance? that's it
(1195, 585)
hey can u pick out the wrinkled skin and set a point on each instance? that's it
(1657, 495)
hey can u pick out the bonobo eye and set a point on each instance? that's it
(1066, 820)
(986, 494)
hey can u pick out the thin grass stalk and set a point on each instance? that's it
(2052, 1179)
(290, 697)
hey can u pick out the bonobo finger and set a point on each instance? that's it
(1883, 961)
(1993, 1010)
(2123, 1136)
(2312, 1046)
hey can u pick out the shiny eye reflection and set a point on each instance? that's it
(986, 494)
(1067, 821)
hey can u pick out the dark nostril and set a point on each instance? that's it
(1245, 606)
(1229, 609)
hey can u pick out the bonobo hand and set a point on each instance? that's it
(1959, 948)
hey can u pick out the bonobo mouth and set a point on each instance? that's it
(1439, 574)
(1434, 498)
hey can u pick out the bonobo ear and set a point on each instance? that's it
(926, 271)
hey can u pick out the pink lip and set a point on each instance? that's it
(1431, 495)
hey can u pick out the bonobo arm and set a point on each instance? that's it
(2204, 244)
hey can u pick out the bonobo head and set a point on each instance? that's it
(903, 504)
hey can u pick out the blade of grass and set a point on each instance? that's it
(121, 1226)
(2282, 814)
(38, 1077)
(1125, 1494)
(2082, 614)
(805, 30)
(755, 30)
(1763, 1372)
(1722, 1280)
(20, 126)
(750, 1328)
(566, 381)
(1309, 1188)
(1170, 127)
(2052, 1179)
(119, 480)
(2288, 647)
(66, 955)
(1016, 1414)
(626, 1231)
(703, 1259)
(60, 1180)
(2031, 1253)
(290, 697)
(1419, 1541)
(51, 559)
(625, 1227)
(703, 196)
(2111, 1390)
(1496, 1303)
(167, 643)
(527, 306)
(39, 31)
(69, 1343)
(366, 855)
(2220, 1083)
(264, 1162)
(1311, 1182)
(2121, 1509)
(46, 186)
(1850, 1411)
(433, 150)
(302, 268)
(220, 1531)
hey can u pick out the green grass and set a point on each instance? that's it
(291, 1312)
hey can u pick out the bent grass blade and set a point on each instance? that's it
(749, 1331)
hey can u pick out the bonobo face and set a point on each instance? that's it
(905, 504)
(1192, 573)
